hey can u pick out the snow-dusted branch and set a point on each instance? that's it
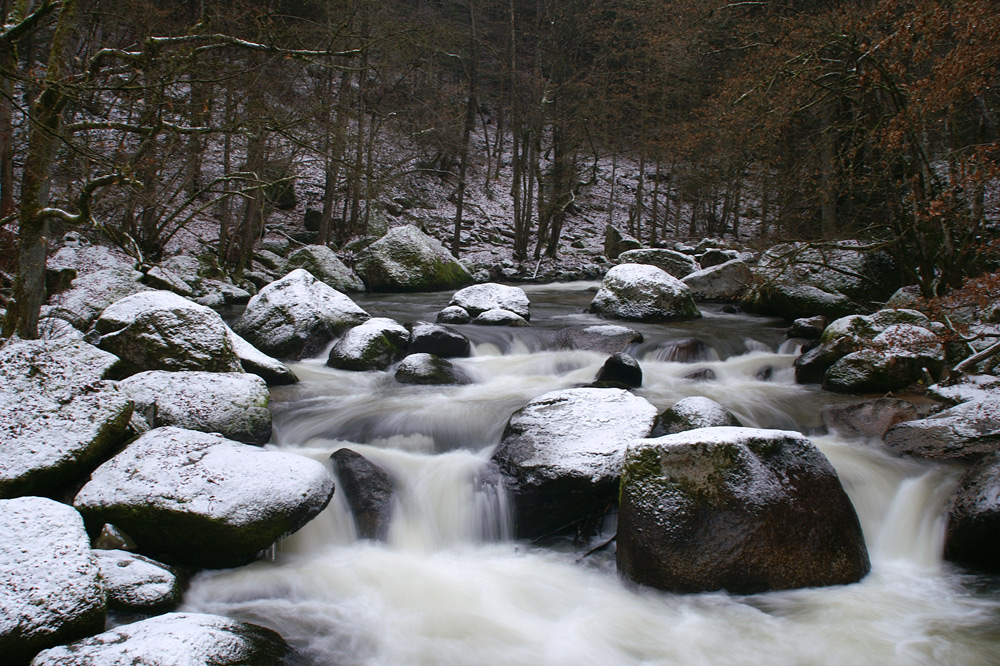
(83, 201)
(12, 33)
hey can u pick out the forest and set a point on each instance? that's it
(760, 120)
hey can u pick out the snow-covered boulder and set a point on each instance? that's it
(676, 263)
(58, 418)
(297, 316)
(50, 586)
(160, 330)
(500, 317)
(429, 369)
(727, 281)
(406, 259)
(607, 338)
(233, 405)
(427, 338)
(323, 264)
(619, 371)
(964, 432)
(369, 492)
(643, 293)
(617, 241)
(739, 509)
(91, 293)
(897, 357)
(176, 639)
(454, 315)
(256, 362)
(693, 413)
(373, 345)
(201, 500)
(137, 584)
(165, 279)
(480, 298)
(973, 533)
(561, 455)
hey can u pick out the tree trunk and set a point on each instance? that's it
(471, 106)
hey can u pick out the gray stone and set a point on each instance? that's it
(480, 298)
(607, 338)
(256, 362)
(323, 264)
(92, 293)
(406, 259)
(427, 338)
(693, 413)
(137, 584)
(965, 432)
(369, 491)
(727, 281)
(453, 315)
(643, 293)
(973, 533)
(871, 418)
(500, 317)
(676, 263)
(373, 345)
(716, 256)
(617, 241)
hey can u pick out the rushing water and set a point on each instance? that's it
(451, 588)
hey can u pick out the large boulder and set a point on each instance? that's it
(617, 241)
(727, 281)
(137, 584)
(692, 413)
(201, 500)
(676, 263)
(373, 345)
(480, 298)
(369, 491)
(606, 338)
(233, 405)
(176, 639)
(965, 432)
(871, 418)
(973, 533)
(643, 293)
(58, 417)
(739, 509)
(159, 330)
(91, 293)
(898, 357)
(50, 586)
(427, 338)
(297, 316)
(323, 264)
(561, 455)
(406, 259)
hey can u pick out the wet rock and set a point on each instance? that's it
(91, 293)
(297, 316)
(369, 491)
(901, 355)
(373, 345)
(322, 263)
(480, 298)
(693, 413)
(201, 500)
(643, 293)
(406, 259)
(617, 241)
(256, 362)
(58, 418)
(112, 538)
(427, 338)
(684, 350)
(430, 370)
(809, 328)
(561, 455)
(137, 584)
(159, 330)
(676, 263)
(620, 371)
(701, 375)
(871, 418)
(973, 533)
(50, 587)
(500, 317)
(739, 509)
(233, 405)
(606, 338)
(965, 432)
(453, 315)
(176, 639)
(727, 281)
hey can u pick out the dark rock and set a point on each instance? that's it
(684, 350)
(715, 256)
(871, 418)
(693, 413)
(429, 370)
(620, 369)
(617, 241)
(369, 491)
(427, 338)
(701, 375)
(809, 328)
(966, 432)
(973, 533)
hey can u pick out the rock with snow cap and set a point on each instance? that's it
(643, 293)
(50, 586)
(901, 355)
(176, 639)
(59, 418)
(500, 317)
(739, 509)
(91, 293)
(972, 536)
(692, 413)
(676, 263)
(607, 338)
(453, 315)
(256, 362)
(199, 499)
(297, 316)
(428, 338)
(407, 259)
(561, 455)
(727, 281)
(137, 584)
(480, 298)
(716, 256)
(373, 345)
(619, 371)
(965, 432)
(872, 418)
(323, 264)
(233, 405)
(430, 370)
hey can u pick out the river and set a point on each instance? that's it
(450, 587)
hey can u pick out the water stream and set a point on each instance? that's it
(451, 587)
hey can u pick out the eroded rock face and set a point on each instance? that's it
(692, 413)
(965, 432)
(369, 491)
(739, 509)
(137, 584)
(323, 264)
(373, 345)
(174, 639)
(297, 316)
(50, 587)
(406, 259)
(561, 455)
(640, 292)
(480, 298)
(201, 500)
(676, 263)
(973, 532)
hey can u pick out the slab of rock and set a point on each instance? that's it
(607, 338)
(373, 345)
(739, 509)
(137, 584)
(676, 263)
(693, 413)
(619, 371)
(430, 370)
(871, 418)
(176, 639)
(323, 264)
(965, 432)
(643, 293)
(480, 298)
(727, 281)
(297, 316)
(91, 293)
(561, 455)
(973, 533)
(369, 492)
(406, 259)
(201, 500)
(233, 405)
(256, 362)
(58, 418)
(500, 317)
(50, 586)
(427, 338)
